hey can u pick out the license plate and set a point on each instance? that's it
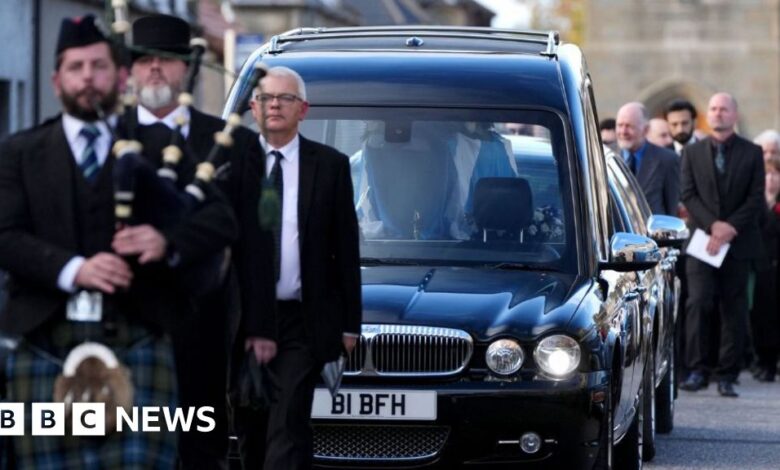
(375, 404)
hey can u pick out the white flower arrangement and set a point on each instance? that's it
(546, 225)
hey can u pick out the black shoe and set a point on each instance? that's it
(695, 382)
(726, 389)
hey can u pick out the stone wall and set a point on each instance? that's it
(656, 50)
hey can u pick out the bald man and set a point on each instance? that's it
(658, 133)
(723, 190)
(657, 169)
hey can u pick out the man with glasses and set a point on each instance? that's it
(317, 269)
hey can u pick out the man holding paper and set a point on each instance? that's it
(722, 187)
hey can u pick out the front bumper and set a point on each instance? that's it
(478, 423)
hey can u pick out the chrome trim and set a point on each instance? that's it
(552, 44)
(631, 248)
(415, 41)
(667, 230)
(410, 351)
(631, 252)
(550, 38)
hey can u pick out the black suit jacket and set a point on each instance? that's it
(248, 296)
(38, 235)
(255, 304)
(659, 176)
(330, 258)
(745, 192)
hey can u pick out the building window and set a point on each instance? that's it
(6, 116)
(12, 110)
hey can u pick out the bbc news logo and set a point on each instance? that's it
(89, 419)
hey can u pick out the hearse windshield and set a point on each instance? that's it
(455, 187)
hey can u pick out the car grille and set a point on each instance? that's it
(357, 358)
(405, 351)
(375, 443)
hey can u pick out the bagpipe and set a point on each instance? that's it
(144, 194)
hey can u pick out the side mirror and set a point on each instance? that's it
(667, 231)
(631, 252)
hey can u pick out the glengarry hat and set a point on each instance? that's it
(79, 32)
(160, 33)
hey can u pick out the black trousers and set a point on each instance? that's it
(285, 428)
(716, 294)
(765, 319)
(680, 335)
(201, 350)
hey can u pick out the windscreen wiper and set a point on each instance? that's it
(387, 262)
(512, 266)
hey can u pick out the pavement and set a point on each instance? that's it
(714, 432)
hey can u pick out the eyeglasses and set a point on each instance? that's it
(284, 98)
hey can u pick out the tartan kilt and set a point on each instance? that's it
(32, 370)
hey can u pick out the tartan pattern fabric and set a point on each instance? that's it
(32, 370)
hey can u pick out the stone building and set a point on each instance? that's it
(657, 50)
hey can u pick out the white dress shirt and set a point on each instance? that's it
(146, 118)
(288, 287)
(78, 143)
(678, 147)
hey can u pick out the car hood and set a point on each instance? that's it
(483, 302)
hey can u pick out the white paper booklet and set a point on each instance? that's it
(698, 249)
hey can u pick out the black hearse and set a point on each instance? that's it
(504, 317)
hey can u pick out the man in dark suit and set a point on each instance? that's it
(657, 169)
(56, 237)
(318, 267)
(723, 190)
(681, 116)
(203, 344)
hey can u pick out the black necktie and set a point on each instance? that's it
(632, 162)
(720, 159)
(277, 182)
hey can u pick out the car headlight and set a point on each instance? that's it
(504, 356)
(557, 355)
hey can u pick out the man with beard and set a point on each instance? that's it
(681, 117)
(657, 169)
(723, 189)
(203, 344)
(56, 236)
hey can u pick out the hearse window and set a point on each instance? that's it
(455, 187)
